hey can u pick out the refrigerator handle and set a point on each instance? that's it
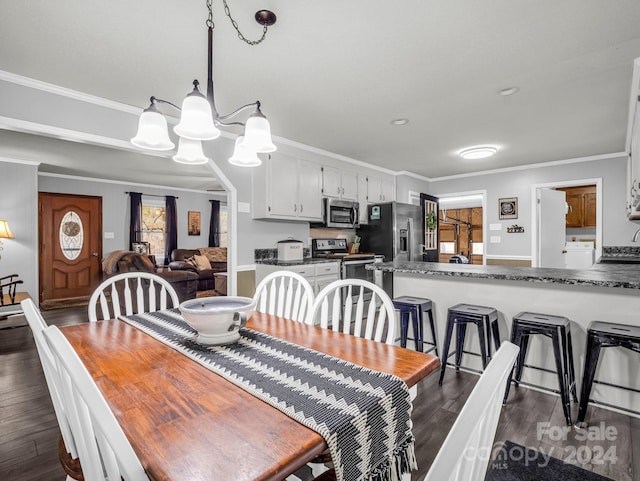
(409, 239)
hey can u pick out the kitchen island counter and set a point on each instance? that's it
(605, 292)
(625, 276)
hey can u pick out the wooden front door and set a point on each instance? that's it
(70, 228)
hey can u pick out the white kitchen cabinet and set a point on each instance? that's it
(319, 275)
(380, 189)
(633, 146)
(339, 184)
(288, 188)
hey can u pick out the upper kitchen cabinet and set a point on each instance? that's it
(380, 189)
(633, 145)
(288, 188)
(582, 206)
(339, 184)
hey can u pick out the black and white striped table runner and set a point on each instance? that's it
(363, 415)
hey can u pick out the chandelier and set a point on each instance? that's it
(199, 118)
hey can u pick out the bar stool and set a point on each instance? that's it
(485, 319)
(599, 335)
(416, 307)
(526, 324)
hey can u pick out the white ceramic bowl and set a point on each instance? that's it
(217, 319)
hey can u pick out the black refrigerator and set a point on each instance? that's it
(396, 231)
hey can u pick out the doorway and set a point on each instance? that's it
(70, 240)
(592, 229)
(461, 226)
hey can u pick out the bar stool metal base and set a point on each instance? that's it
(601, 335)
(415, 307)
(486, 321)
(526, 324)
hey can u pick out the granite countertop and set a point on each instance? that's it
(303, 262)
(625, 276)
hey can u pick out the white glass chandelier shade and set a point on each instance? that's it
(196, 121)
(190, 152)
(152, 131)
(257, 134)
(244, 157)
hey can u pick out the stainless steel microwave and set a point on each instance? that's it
(343, 214)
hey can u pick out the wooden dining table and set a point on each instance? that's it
(186, 422)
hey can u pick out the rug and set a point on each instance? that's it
(518, 463)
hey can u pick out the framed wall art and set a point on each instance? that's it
(193, 218)
(508, 208)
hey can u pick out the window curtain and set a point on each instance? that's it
(214, 224)
(135, 227)
(171, 219)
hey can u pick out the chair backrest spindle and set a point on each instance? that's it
(286, 294)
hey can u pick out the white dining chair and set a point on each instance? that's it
(341, 305)
(465, 453)
(104, 451)
(38, 325)
(151, 294)
(286, 294)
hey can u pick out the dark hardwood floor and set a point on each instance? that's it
(29, 431)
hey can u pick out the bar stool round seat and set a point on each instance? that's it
(600, 335)
(526, 324)
(415, 307)
(486, 321)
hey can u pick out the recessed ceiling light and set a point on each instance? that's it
(479, 152)
(508, 91)
(399, 121)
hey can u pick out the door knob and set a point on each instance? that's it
(95, 254)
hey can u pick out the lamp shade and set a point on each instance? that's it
(196, 121)
(5, 232)
(244, 157)
(152, 132)
(190, 152)
(257, 134)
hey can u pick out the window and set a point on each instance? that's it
(153, 226)
(447, 247)
(224, 225)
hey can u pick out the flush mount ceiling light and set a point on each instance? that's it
(399, 122)
(199, 120)
(479, 152)
(508, 91)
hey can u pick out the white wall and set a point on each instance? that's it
(617, 229)
(115, 208)
(19, 206)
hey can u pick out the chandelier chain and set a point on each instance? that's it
(210, 23)
(235, 25)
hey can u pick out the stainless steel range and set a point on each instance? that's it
(352, 266)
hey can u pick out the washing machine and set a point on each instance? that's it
(579, 255)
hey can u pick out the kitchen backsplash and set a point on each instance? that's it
(620, 251)
(272, 254)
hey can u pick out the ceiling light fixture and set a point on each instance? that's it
(479, 152)
(508, 91)
(399, 121)
(200, 119)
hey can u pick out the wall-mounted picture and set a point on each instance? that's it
(508, 208)
(193, 218)
(140, 247)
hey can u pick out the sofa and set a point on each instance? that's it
(204, 261)
(184, 282)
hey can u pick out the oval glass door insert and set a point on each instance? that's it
(71, 235)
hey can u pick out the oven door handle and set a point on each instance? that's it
(358, 263)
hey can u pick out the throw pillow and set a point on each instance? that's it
(202, 263)
(214, 254)
(191, 261)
